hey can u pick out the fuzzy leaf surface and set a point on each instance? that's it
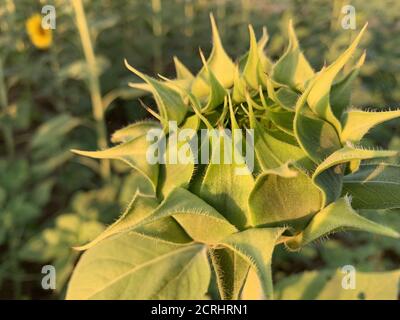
(374, 186)
(124, 267)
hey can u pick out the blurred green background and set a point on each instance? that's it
(51, 200)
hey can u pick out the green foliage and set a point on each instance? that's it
(326, 285)
(182, 270)
(228, 223)
(45, 111)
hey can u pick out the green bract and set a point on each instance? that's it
(188, 221)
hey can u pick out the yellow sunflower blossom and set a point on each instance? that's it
(41, 38)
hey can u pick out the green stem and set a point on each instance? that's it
(7, 129)
(157, 32)
(94, 83)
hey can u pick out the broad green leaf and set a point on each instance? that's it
(231, 271)
(54, 129)
(283, 199)
(329, 182)
(133, 153)
(273, 148)
(217, 91)
(286, 98)
(327, 285)
(356, 123)
(80, 70)
(287, 170)
(252, 288)
(133, 266)
(328, 175)
(177, 173)
(256, 247)
(369, 286)
(47, 166)
(166, 229)
(340, 95)
(170, 103)
(134, 130)
(226, 186)
(219, 63)
(292, 68)
(318, 98)
(350, 152)
(140, 207)
(285, 147)
(283, 119)
(135, 182)
(317, 137)
(374, 186)
(337, 216)
(303, 286)
(199, 220)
